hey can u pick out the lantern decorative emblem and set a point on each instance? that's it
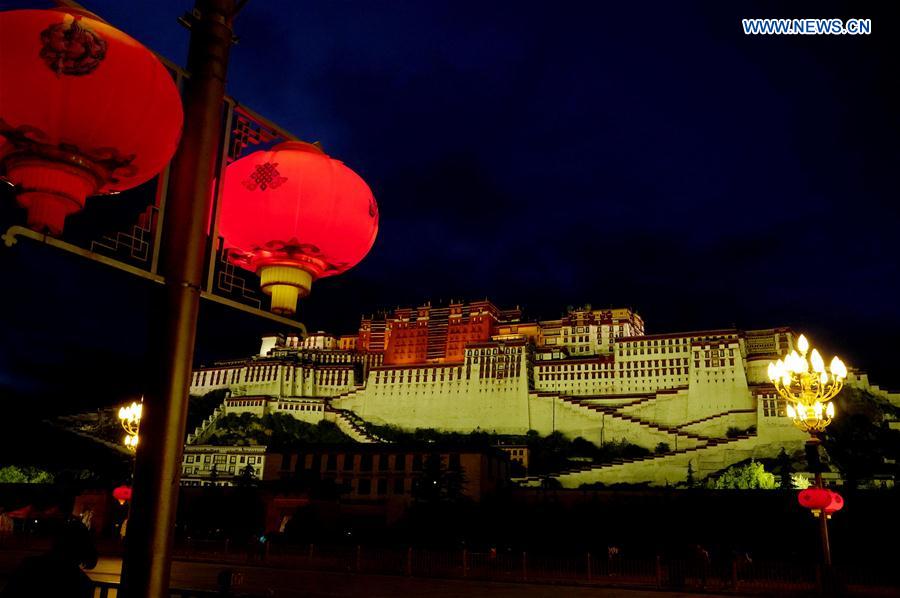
(84, 109)
(293, 215)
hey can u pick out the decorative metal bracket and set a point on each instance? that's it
(14, 233)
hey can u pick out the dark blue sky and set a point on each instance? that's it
(556, 153)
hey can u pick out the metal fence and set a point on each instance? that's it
(738, 576)
(103, 589)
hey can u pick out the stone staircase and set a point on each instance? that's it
(200, 431)
(670, 435)
(345, 396)
(714, 455)
(350, 424)
(714, 416)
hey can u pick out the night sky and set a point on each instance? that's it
(541, 154)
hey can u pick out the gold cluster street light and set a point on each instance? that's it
(130, 417)
(811, 419)
(802, 379)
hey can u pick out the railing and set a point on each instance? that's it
(105, 589)
(686, 574)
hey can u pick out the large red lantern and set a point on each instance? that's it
(814, 498)
(293, 215)
(122, 494)
(84, 109)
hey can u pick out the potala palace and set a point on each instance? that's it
(471, 366)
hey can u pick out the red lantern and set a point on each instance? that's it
(293, 215)
(814, 498)
(836, 504)
(84, 109)
(122, 494)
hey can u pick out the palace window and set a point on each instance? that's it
(774, 408)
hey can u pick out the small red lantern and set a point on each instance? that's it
(84, 109)
(836, 504)
(292, 215)
(122, 494)
(814, 498)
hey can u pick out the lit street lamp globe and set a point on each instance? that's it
(293, 215)
(84, 109)
(802, 379)
(130, 418)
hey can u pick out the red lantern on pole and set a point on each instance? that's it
(84, 109)
(122, 494)
(836, 504)
(292, 215)
(814, 498)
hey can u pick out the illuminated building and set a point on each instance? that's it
(592, 373)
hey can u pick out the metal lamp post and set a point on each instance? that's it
(147, 562)
(802, 379)
(185, 256)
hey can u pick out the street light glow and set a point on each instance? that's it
(130, 418)
(807, 386)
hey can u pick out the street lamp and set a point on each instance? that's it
(802, 379)
(94, 112)
(130, 418)
(811, 419)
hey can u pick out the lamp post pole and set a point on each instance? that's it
(812, 456)
(146, 566)
(808, 387)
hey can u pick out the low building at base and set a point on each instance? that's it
(355, 471)
(207, 465)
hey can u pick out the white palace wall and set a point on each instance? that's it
(681, 391)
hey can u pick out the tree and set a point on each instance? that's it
(246, 477)
(799, 481)
(749, 476)
(690, 475)
(857, 441)
(275, 430)
(439, 482)
(784, 470)
(24, 475)
(662, 447)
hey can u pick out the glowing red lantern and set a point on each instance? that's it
(122, 494)
(84, 109)
(814, 498)
(293, 215)
(836, 504)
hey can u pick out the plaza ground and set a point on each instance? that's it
(317, 584)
